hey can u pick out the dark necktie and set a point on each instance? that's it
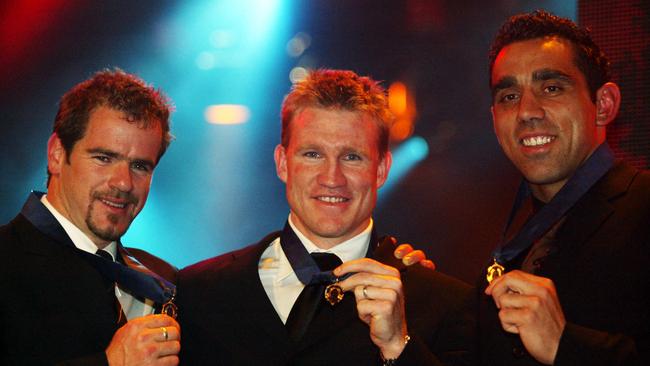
(311, 297)
(110, 288)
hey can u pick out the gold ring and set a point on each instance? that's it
(365, 294)
(165, 334)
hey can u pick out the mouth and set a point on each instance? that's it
(332, 199)
(537, 141)
(116, 201)
(120, 205)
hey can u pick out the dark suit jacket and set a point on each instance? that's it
(55, 308)
(227, 318)
(602, 274)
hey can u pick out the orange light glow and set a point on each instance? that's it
(402, 104)
(397, 98)
(227, 114)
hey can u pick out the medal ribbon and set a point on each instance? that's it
(147, 285)
(598, 164)
(303, 264)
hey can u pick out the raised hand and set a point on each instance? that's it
(380, 302)
(529, 306)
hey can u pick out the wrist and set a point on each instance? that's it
(391, 352)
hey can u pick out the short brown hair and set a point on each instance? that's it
(115, 89)
(343, 89)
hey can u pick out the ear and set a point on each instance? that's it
(494, 125)
(56, 155)
(608, 100)
(384, 168)
(280, 156)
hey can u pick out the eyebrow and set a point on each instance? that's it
(551, 74)
(504, 83)
(539, 75)
(113, 154)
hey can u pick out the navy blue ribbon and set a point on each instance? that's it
(146, 285)
(303, 265)
(596, 166)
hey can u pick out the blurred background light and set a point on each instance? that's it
(405, 157)
(297, 74)
(227, 114)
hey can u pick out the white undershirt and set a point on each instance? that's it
(131, 306)
(281, 284)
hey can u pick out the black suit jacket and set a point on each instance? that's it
(55, 308)
(602, 274)
(227, 318)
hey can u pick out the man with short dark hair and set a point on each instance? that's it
(73, 294)
(569, 281)
(278, 302)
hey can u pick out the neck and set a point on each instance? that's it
(546, 192)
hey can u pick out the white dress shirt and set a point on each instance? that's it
(131, 306)
(281, 284)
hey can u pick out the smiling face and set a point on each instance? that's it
(105, 182)
(332, 169)
(544, 117)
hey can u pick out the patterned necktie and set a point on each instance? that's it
(311, 297)
(110, 288)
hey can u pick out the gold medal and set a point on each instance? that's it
(494, 271)
(334, 293)
(169, 308)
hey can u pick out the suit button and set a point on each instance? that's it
(518, 352)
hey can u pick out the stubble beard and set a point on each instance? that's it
(111, 232)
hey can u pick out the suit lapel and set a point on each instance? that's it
(87, 295)
(594, 208)
(255, 307)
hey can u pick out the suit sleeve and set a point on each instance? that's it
(584, 346)
(96, 359)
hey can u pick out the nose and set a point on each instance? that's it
(331, 175)
(121, 177)
(530, 109)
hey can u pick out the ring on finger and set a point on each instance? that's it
(365, 293)
(165, 333)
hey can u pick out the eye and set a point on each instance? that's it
(140, 166)
(311, 155)
(552, 89)
(506, 97)
(102, 158)
(352, 157)
(509, 97)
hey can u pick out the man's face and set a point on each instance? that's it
(106, 182)
(332, 169)
(543, 114)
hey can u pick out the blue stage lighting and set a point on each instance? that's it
(405, 157)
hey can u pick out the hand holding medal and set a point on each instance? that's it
(529, 306)
(380, 302)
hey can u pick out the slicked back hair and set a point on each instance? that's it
(588, 57)
(338, 89)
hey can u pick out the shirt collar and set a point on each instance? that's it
(79, 239)
(353, 248)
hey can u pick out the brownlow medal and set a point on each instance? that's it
(169, 308)
(334, 293)
(494, 271)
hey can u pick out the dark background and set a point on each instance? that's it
(216, 189)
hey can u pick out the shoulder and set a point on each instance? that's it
(436, 283)
(422, 283)
(214, 266)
